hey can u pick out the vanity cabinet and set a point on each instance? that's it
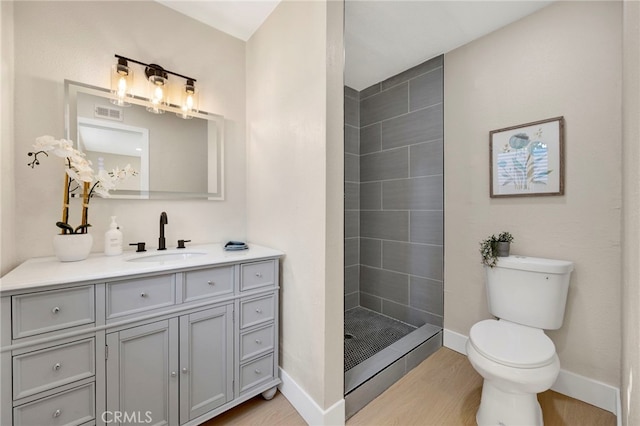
(175, 346)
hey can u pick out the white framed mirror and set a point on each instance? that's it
(175, 158)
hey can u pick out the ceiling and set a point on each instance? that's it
(382, 38)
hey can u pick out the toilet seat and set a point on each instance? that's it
(511, 344)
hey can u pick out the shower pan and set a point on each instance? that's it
(394, 246)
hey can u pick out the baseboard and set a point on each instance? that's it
(570, 384)
(307, 407)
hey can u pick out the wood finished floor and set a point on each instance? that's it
(443, 390)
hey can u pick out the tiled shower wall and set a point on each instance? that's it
(398, 188)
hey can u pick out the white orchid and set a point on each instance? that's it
(78, 170)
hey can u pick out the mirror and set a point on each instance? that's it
(175, 158)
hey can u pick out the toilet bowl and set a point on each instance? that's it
(512, 354)
(516, 362)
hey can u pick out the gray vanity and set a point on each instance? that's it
(138, 338)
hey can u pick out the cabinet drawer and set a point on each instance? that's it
(256, 372)
(256, 342)
(73, 407)
(38, 371)
(256, 311)
(45, 311)
(257, 274)
(139, 295)
(207, 283)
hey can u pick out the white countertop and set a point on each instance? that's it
(49, 271)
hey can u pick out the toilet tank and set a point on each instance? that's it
(529, 291)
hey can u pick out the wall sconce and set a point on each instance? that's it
(121, 82)
(158, 88)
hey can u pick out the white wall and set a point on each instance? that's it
(294, 184)
(7, 211)
(563, 60)
(77, 41)
(630, 388)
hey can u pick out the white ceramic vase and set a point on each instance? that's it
(72, 247)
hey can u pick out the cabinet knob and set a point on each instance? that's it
(57, 367)
(259, 274)
(143, 294)
(55, 310)
(258, 341)
(57, 413)
(257, 371)
(173, 374)
(258, 310)
(211, 283)
(185, 370)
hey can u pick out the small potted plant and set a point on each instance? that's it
(493, 247)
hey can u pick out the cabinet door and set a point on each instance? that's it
(142, 375)
(206, 364)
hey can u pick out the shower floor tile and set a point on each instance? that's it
(367, 332)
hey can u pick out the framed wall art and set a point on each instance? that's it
(527, 160)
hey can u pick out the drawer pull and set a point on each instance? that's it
(258, 341)
(185, 370)
(257, 371)
(57, 413)
(143, 294)
(211, 283)
(258, 310)
(57, 367)
(259, 274)
(173, 374)
(55, 310)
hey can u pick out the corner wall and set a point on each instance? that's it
(295, 189)
(563, 60)
(77, 41)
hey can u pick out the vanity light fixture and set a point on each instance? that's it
(158, 88)
(121, 82)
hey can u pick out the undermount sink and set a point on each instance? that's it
(166, 257)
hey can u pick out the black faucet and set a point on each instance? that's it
(161, 241)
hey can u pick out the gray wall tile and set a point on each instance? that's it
(371, 196)
(426, 227)
(423, 193)
(385, 284)
(426, 295)
(351, 139)
(422, 68)
(351, 301)
(370, 139)
(392, 164)
(425, 90)
(384, 105)
(351, 168)
(351, 196)
(351, 224)
(420, 126)
(351, 93)
(409, 315)
(426, 159)
(352, 279)
(392, 225)
(352, 112)
(370, 301)
(351, 251)
(370, 91)
(414, 259)
(371, 252)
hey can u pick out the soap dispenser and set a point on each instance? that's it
(113, 239)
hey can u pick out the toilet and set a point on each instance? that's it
(512, 353)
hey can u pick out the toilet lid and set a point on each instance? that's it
(512, 344)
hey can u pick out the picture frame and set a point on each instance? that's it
(527, 160)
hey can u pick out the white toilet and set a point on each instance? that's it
(513, 355)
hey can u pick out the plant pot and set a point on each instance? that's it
(503, 249)
(72, 247)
